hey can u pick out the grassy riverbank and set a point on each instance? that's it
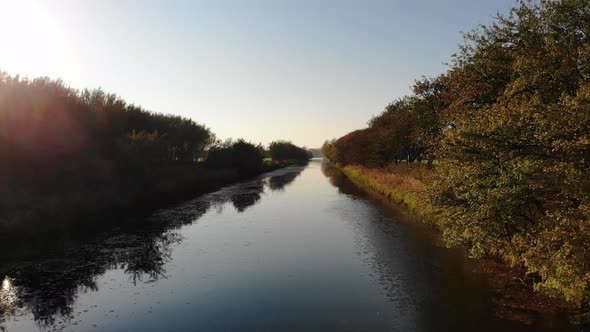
(403, 183)
(514, 295)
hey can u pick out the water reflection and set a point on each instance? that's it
(439, 282)
(338, 179)
(147, 263)
(316, 257)
(247, 196)
(8, 299)
(48, 286)
(279, 181)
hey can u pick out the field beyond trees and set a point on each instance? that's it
(508, 129)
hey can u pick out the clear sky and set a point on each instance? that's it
(258, 69)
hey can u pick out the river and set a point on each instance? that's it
(297, 249)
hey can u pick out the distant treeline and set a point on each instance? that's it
(316, 153)
(66, 153)
(508, 126)
(248, 157)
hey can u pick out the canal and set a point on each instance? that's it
(297, 249)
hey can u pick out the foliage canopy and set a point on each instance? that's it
(509, 123)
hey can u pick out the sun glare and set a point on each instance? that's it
(7, 293)
(33, 42)
(6, 284)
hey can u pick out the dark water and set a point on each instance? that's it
(298, 249)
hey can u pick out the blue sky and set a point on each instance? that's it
(262, 70)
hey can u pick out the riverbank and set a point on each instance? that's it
(35, 221)
(513, 292)
(402, 183)
(78, 161)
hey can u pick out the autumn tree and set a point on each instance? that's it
(509, 123)
(513, 179)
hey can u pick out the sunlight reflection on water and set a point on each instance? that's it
(7, 292)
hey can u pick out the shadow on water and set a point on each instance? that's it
(48, 286)
(437, 280)
(247, 196)
(280, 181)
(250, 193)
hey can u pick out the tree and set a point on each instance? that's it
(287, 151)
(510, 125)
(512, 180)
(241, 155)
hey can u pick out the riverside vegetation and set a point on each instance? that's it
(70, 158)
(495, 152)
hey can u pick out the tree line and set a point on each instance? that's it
(509, 126)
(92, 149)
(249, 157)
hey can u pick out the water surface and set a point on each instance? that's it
(298, 249)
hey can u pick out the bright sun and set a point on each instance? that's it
(33, 42)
